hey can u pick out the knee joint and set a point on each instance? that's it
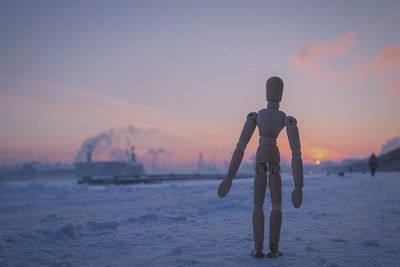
(261, 168)
(276, 207)
(274, 168)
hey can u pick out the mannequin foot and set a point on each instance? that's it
(257, 251)
(257, 254)
(274, 251)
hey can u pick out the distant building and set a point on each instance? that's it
(92, 168)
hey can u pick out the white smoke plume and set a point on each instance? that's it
(153, 156)
(390, 145)
(115, 144)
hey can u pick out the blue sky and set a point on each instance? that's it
(193, 70)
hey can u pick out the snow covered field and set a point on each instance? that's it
(344, 221)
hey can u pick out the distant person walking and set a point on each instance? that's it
(373, 164)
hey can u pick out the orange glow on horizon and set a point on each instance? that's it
(316, 155)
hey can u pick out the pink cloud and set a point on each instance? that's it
(383, 68)
(386, 68)
(315, 58)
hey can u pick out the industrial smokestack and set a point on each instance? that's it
(133, 155)
(89, 154)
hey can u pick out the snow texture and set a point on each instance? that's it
(344, 221)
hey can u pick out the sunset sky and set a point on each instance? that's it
(185, 74)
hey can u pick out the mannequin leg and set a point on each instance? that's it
(260, 184)
(275, 187)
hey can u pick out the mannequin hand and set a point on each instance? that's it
(224, 187)
(297, 197)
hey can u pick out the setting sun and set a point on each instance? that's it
(315, 155)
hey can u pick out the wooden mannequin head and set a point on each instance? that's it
(274, 89)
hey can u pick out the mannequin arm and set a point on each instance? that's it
(245, 136)
(294, 142)
(237, 156)
(297, 162)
